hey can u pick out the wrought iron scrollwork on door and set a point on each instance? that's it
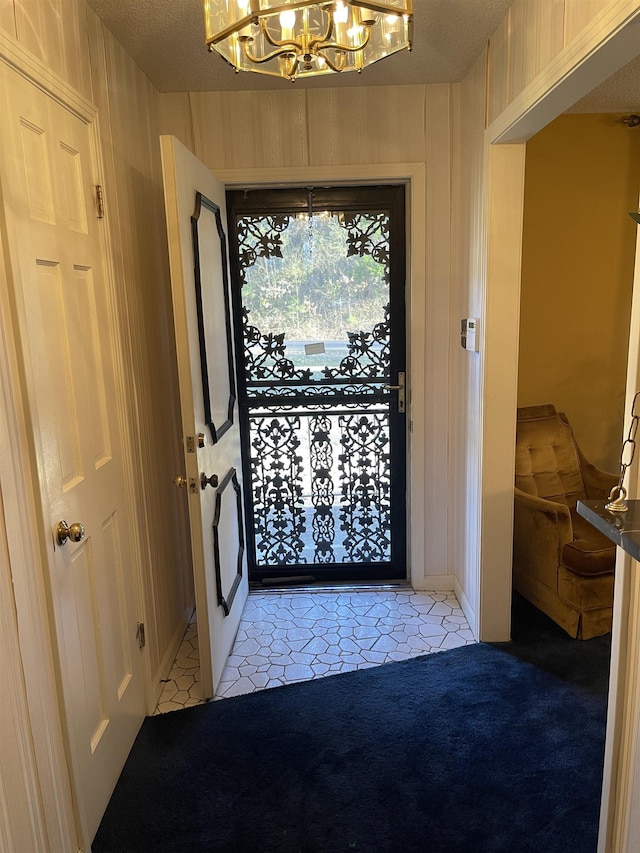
(266, 353)
(365, 491)
(276, 481)
(346, 517)
(368, 354)
(317, 405)
(322, 488)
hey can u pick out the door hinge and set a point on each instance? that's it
(99, 201)
(140, 635)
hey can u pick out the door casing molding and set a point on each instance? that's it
(414, 176)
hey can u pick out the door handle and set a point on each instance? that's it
(64, 531)
(181, 482)
(400, 388)
(208, 481)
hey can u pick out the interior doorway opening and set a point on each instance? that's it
(318, 283)
(582, 176)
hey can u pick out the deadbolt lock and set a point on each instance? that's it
(196, 441)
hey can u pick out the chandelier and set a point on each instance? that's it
(304, 38)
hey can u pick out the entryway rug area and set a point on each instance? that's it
(462, 751)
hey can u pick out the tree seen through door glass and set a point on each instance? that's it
(316, 282)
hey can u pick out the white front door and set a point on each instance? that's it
(64, 316)
(196, 225)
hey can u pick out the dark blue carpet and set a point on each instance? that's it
(464, 751)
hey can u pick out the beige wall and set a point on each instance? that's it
(534, 75)
(128, 109)
(467, 269)
(582, 177)
(304, 127)
(360, 129)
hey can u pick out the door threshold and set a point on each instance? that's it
(347, 586)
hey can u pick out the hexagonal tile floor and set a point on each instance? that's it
(295, 636)
(182, 688)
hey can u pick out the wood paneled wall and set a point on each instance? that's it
(70, 39)
(467, 262)
(127, 108)
(531, 36)
(362, 128)
(305, 127)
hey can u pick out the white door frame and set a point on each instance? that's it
(53, 770)
(424, 545)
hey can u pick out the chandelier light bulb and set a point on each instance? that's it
(288, 19)
(341, 13)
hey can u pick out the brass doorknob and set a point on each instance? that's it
(64, 531)
(180, 482)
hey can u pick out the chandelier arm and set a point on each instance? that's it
(292, 45)
(345, 47)
(281, 51)
(332, 65)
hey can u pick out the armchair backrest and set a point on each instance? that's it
(547, 459)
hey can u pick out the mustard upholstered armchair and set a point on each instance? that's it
(561, 564)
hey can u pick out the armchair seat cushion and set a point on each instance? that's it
(584, 593)
(591, 553)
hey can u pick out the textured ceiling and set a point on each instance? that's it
(619, 94)
(166, 39)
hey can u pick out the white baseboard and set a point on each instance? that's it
(437, 583)
(467, 609)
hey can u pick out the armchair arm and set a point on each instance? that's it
(597, 483)
(541, 530)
